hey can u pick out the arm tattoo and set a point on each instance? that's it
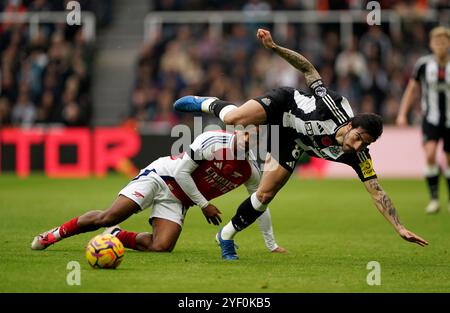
(393, 213)
(386, 205)
(299, 62)
(385, 202)
(375, 185)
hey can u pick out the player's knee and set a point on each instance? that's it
(232, 119)
(265, 197)
(161, 247)
(236, 118)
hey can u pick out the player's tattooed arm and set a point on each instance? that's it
(295, 59)
(383, 202)
(385, 206)
(299, 62)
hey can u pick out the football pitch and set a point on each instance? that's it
(330, 227)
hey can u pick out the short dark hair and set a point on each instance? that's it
(372, 123)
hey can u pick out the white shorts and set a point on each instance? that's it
(150, 190)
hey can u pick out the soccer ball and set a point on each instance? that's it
(104, 251)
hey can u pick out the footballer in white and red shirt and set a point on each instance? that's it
(216, 163)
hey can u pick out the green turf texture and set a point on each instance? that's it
(330, 227)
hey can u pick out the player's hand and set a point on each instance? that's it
(266, 38)
(411, 237)
(401, 121)
(279, 250)
(211, 214)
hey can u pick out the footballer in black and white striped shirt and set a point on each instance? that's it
(321, 124)
(431, 77)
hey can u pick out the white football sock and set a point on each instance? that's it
(225, 111)
(56, 234)
(257, 205)
(431, 170)
(228, 231)
(206, 104)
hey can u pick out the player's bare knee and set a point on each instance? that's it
(231, 119)
(161, 247)
(265, 197)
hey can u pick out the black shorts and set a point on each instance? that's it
(280, 140)
(275, 103)
(434, 133)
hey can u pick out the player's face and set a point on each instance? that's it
(440, 45)
(356, 140)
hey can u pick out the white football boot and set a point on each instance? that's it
(432, 207)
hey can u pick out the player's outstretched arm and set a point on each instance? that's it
(411, 91)
(385, 206)
(294, 58)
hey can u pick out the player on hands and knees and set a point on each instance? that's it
(321, 124)
(212, 167)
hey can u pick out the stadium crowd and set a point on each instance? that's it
(372, 69)
(45, 77)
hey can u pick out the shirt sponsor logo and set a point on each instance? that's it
(320, 128)
(309, 129)
(367, 168)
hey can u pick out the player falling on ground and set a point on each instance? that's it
(171, 185)
(321, 124)
(432, 76)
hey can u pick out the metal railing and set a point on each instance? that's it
(88, 21)
(153, 21)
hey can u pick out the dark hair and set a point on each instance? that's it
(370, 122)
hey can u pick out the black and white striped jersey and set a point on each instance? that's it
(435, 84)
(308, 123)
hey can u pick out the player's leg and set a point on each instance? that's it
(137, 195)
(166, 218)
(431, 135)
(120, 210)
(250, 113)
(164, 237)
(432, 173)
(249, 210)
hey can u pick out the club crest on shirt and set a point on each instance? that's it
(320, 91)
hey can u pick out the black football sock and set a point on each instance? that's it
(245, 215)
(219, 106)
(433, 187)
(432, 173)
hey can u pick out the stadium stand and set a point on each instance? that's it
(371, 69)
(46, 78)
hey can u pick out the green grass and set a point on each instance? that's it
(330, 227)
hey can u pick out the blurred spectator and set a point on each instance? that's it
(24, 111)
(351, 61)
(5, 109)
(376, 83)
(375, 45)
